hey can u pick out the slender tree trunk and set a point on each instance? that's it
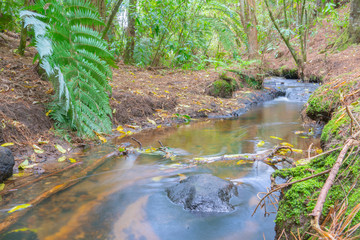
(131, 33)
(248, 19)
(111, 18)
(23, 34)
(354, 21)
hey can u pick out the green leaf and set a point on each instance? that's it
(2, 186)
(23, 165)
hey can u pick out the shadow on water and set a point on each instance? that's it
(126, 199)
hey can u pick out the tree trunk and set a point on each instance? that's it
(248, 19)
(354, 21)
(130, 43)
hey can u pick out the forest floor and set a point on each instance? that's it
(141, 98)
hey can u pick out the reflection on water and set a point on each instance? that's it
(125, 198)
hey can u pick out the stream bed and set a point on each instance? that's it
(125, 198)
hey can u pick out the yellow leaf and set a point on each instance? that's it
(21, 174)
(299, 132)
(42, 141)
(60, 148)
(23, 165)
(7, 144)
(151, 121)
(2, 186)
(159, 126)
(119, 129)
(318, 150)
(48, 112)
(37, 149)
(166, 91)
(102, 139)
(132, 126)
(261, 143)
(19, 207)
(182, 176)
(61, 159)
(157, 179)
(276, 138)
(72, 160)
(240, 162)
(287, 144)
(297, 150)
(114, 110)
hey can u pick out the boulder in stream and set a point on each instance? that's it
(203, 193)
(6, 163)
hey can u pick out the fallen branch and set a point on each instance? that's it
(284, 185)
(316, 213)
(40, 178)
(76, 178)
(268, 157)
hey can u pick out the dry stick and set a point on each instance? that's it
(40, 178)
(284, 185)
(316, 213)
(309, 151)
(11, 219)
(138, 142)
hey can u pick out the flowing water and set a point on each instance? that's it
(125, 198)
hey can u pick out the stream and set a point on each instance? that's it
(125, 198)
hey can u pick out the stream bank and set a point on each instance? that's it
(328, 106)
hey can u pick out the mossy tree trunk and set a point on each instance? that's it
(354, 21)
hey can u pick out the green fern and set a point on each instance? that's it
(77, 61)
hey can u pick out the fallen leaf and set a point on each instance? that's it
(297, 150)
(48, 112)
(287, 144)
(72, 160)
(61, 159)
(276, 138)
(42, 141)
(182, 176)
(2, 186)
(37, 149)
(119, 128)
(151, 121)
(299, 132)
(261, 143)
(23, 165)
(19, 207)
(60, 148)
(7, 144)
(157, 179)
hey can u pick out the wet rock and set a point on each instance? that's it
(6, 163)
(203, 193)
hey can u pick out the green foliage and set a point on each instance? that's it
(76, 60)
(182, 33)
(9, 11)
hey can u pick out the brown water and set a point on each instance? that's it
(125, 198)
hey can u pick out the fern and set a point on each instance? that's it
(76, 60)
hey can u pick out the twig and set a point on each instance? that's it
(138, 142)
(316, 213)
(284, 185)
(161, 144)
(309, 151)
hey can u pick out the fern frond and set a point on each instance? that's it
(76, 59)
(85, 17)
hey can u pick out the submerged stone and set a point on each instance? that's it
(203, 193)
(6, 163)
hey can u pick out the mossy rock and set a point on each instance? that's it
(222, 88)
(246, 80)
(326, 99)
(289, 73)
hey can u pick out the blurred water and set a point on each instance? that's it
(126, 199)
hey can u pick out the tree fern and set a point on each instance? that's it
(76, 59)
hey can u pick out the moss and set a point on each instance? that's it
(254, 82)
(326, 99)
(223, 88)
(299, 200)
